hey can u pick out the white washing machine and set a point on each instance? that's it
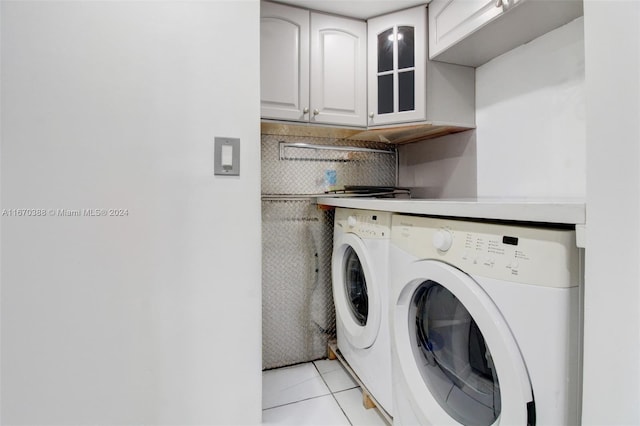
(485, 323)
(361, 295)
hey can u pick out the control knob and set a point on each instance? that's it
(442, 240)
(352, 221)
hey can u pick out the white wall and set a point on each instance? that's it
(443, 167)
(530, 114)
(612, 288)
(152, 318)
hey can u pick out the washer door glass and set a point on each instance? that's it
(356, 287)
(456, 363)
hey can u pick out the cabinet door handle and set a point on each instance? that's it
(316, 112)
(305, 110)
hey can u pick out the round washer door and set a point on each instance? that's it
(456, 354)
(355, 291)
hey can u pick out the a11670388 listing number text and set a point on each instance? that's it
(65, 212)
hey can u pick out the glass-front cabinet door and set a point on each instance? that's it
(397, 61)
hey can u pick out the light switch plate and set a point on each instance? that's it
(227, 156)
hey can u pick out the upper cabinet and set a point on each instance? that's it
(338, 70)
(284, 62)
(472, 32)
(406, 87)
(452, 21)
(371, 76)
(313, 67)
(396, 71)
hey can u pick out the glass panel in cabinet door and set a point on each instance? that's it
(385, 94)
(406, 47)
(406, 91)
(385, 50)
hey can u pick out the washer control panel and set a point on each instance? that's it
(364, 223)
(525, 254)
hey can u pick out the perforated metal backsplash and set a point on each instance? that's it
(298, 316)
(303, 171)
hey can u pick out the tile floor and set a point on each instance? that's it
(319, 393)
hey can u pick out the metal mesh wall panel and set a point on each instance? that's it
(298, 315)
(297, 302)
(304, 171)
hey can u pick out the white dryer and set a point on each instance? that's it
(485, 323)
(361, 296)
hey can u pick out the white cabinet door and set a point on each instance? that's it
(284, 62)
(338, 70)
(452, 20)
(396, 67)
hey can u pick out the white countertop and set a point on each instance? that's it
(565, 211)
